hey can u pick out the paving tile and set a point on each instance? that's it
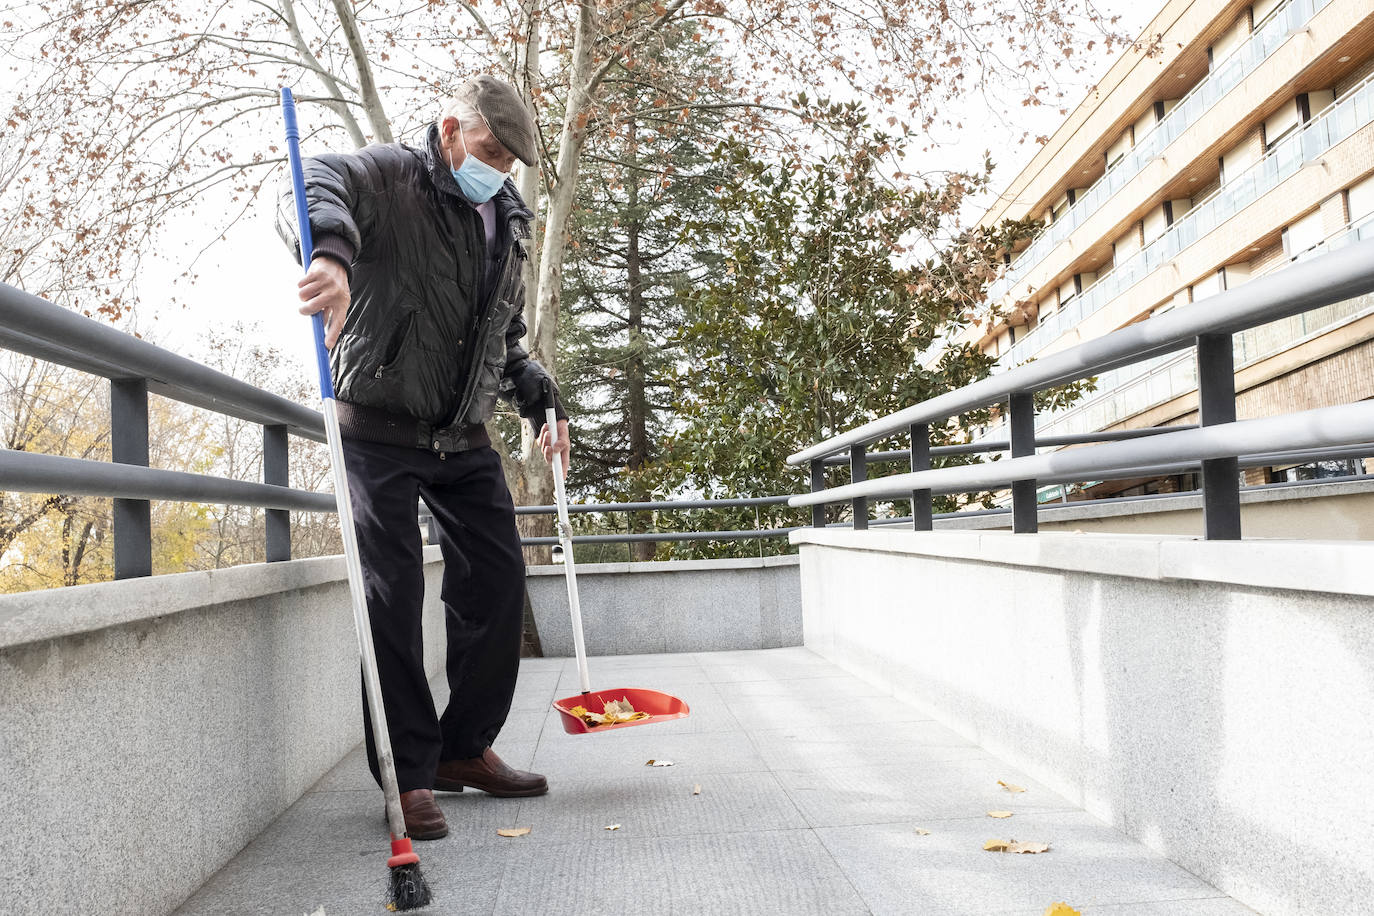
(621, 753)
(787, 873)
(1215, 906)
(947, 872)
(927, 789)
(788, 655)
(871, 744)
(658, 802)
(330, 850)
(802, 712)
(669, 680)
(824, 687)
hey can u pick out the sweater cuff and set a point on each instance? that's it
(337, 248)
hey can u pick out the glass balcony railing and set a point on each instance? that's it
(1349, 113)
(1268, 35)
(1124, 392)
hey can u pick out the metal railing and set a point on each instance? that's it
(1218, 445)
(1352, 111)
(135, 368)
(1225, 75)
(1128, 390)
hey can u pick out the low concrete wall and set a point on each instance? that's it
(1339, 510)
(1213, 699)
(679, 606)
(150, 728)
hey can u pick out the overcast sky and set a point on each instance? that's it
(249, 276)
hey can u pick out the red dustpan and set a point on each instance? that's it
(660, 706)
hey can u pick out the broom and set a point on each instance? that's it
(407, 888)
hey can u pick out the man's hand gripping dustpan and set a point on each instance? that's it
(660, 707)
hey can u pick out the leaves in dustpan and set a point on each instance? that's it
(615, 712)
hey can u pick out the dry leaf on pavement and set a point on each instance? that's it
(513, 831)
(651, 762)
(922, 832)
(1014, 846)
(1009, 787)
(612, 826)
(1029, 847)
(999, 814)
(1061, 909)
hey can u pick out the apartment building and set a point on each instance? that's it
(1243, 143)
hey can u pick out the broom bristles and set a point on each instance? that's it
(408, 889)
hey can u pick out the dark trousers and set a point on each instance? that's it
(483, 594)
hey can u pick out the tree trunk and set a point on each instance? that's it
(534, 483)
(637, 408)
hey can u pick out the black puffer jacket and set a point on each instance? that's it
(432, 334)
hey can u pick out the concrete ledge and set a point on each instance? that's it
(1335, 567)
(149, 729)
(676, 606)
(1326, 511)
(1211, 699)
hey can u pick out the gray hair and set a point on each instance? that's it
(467, 114)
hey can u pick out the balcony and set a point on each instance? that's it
(1347, 115)
(1270, 34)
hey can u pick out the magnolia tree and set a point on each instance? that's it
(127, 111)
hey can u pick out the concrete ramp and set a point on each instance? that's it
(814, 785)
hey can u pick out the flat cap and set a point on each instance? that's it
(500, 105)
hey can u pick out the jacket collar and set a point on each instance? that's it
(508, 201)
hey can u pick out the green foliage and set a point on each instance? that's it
(824, 284)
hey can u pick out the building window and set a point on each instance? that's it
(1318, 470)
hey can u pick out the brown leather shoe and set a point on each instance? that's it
(490, 774)
(424, 820)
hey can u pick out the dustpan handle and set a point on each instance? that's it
(565, 539)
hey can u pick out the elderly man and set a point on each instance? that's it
(418, 274)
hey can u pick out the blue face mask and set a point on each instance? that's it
(478, 181)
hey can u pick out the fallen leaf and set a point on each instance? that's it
(612, 826)
(922, 832)
(513, 831)
(658, 763)
(696, 789)
(997, 845)
(1029, 847)
(1061, 909)
(999, 814)
(1009, 787)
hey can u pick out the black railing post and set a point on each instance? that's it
(858, 470)
(276, 470)
(133, 528)
(922, 514)
(817, 485)
(1021, 424)
(1216, 385)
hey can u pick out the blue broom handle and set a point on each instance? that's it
(293, 154)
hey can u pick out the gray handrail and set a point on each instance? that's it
(1321, 281)
(659, 504)
(1322, 428)
(31, 472)
(38, 328)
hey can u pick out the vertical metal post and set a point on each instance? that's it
(275, 470)
(817, 485)
(133, 527)
(858, 470)
(1021, 421)
(1216, 385)
(922, 515)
